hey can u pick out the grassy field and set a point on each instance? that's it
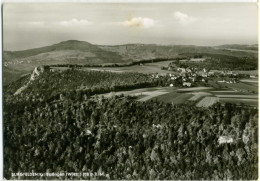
(244, 92)
(145, 68)
(171, 97)
(248, 72)
(199, 96)
(194, 89)
(207, 101)
(242, 87)
(254, 80)
(152, 94)
(239, 96)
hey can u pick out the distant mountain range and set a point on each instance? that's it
(17, 63)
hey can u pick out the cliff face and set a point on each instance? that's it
(36, 73)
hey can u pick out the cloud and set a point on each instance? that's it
(183, 18)
(75, 22)
(139, 22)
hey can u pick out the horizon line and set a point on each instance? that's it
(133, 44)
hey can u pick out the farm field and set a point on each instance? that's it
(194, 89)
(151, 94)
(207, 101)
(239, 96)
(242, 87)
(145, 68)
(173, 97)
(248, 72)
(194, 60)
(136, 92)
(250, 80)
(199, 96)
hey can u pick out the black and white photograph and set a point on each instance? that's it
(130, 90)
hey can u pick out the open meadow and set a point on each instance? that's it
(199, 96)
(142, 68)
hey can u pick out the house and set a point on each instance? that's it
(252, 76)
(171, 85)
(187, 84)
(203, 80)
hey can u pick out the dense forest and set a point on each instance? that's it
(120, 64)
(57, 125)
(222, 62)
(78, 83)
(126, 139)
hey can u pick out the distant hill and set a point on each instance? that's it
(72, 51)
(151, 51)
(17, 63)
(253, 47)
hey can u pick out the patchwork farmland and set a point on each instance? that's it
(199, 96)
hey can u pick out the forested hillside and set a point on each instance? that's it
(57, 124)
(223, 62)
(125, 139)
(49, 84)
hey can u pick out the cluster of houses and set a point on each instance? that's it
(232, 81)
(187, 76)
(15, 62)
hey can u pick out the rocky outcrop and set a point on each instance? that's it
(36, 73)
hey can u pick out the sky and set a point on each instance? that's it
(27, 25)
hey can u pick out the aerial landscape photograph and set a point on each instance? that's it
(130, 91)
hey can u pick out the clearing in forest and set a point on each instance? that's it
(239, 96)
(207, 101)
(195, 89)
(198, 95)
(151, 94)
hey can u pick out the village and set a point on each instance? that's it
(192, 77)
